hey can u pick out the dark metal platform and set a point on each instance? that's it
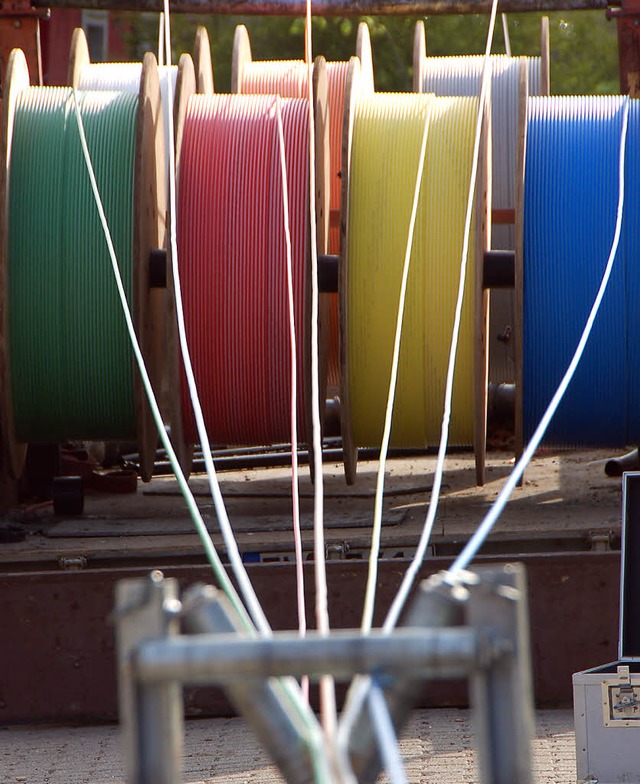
(57, 650)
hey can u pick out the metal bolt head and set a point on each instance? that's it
(172, 607)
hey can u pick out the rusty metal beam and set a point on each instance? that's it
(332, 7)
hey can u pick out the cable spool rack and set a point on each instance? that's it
(335, 6)
(242, 58)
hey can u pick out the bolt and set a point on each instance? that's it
(172, 607)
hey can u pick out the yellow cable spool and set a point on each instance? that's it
(382, 145)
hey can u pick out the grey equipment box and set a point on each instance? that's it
(606, 699)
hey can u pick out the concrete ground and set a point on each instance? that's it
(437, 748)
(564, 493)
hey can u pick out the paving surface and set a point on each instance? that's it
(437, 748)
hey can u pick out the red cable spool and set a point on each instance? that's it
(288, 79)
(232, 259)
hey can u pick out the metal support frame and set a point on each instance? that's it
(474, 627)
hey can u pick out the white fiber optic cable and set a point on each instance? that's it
(246, 589)
(360, 688)
(297, 534)
(212, 554)
(411, 573)
(291, 687)
(386, 736)
(376, 534)
(313, 734)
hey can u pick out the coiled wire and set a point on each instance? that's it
(71, 361)
(571, 185)
(387, 135)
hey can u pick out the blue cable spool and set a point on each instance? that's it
(570, 201)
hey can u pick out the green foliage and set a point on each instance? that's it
(583, 44)
(584, 54)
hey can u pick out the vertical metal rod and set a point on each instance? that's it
(151, 716)
(160, 733)
(501, 694)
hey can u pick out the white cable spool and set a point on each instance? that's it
(461, 76)
(125, 77)
(117, 77)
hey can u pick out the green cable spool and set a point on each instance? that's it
(70, 354)
(68, 364)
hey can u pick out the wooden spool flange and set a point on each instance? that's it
(322, 214)
(364, 54)
(13, 453)
(78, 57)
(523, 97)
(482, 296)
(419, 56)
(202, 62)
(185, 89)
(240, 57)
(349, 451)
(148, 234)
(545, 68)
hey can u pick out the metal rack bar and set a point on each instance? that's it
(445, 653)
(332, 7)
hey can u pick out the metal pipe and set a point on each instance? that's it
(616, 466)
(328, 265)
(206, 659)
(237, 460)
(332, 7)
(436, 608)
(150, 714)
(263, 703)
(498, 269)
